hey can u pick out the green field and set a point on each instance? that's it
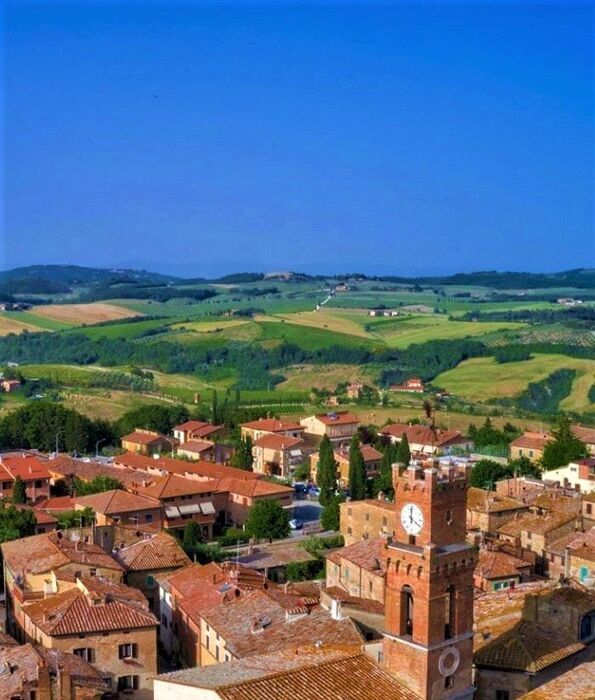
(482, 378)
(37, 322)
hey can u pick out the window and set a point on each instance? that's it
(348, 510)
(93, 572)
(85, 653)
(502, 695)
(449, 682)
(587, 626)
(449, 612)
(367, 516)
(370, 586)
(128, 683)
(411, 539)
(38, 483)
(150, 580)
(530, 453)
(7, 485)
(589, 508)
(149, 518)
(528, 535)
(384, 522)
(128, 651)
(406, 611)
(449, 517)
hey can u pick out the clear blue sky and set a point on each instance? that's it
(203, 138)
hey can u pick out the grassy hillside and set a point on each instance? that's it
(483, 378)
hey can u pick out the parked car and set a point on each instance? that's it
(296, 524)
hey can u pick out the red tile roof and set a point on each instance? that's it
(495, 565)
(27, 466)
(337, 418)
(278, 442)
(95, 605)
(196, 446)
(142, 438)
(172, 485)
(369, 453)
(116, 501)
(321, 672)
(161, 551)
(576, 684)
(424, 435)
(531, 441)
(586, 435)
(56, 504)
(198, 469)
(367, 554)
(198, 427)
(272, 425)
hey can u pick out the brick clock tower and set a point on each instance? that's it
(428, 642)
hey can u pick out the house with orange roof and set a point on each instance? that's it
(119, 506)
(146, 559)
(425, 439)
(196, 430)
(147, 442)
(358, 569)
(488, 510)
(372, 459)
(572, 556)
(107, 624)
(338, 426)
(31, 468)
(266, 426)
(31, 671)
(276, 454)
(496, 570)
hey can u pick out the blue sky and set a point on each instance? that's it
(197, 138)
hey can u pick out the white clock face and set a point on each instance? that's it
(412, 519)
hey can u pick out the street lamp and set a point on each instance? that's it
(97, 446)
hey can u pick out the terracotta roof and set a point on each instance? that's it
(483, 501)
(532, 441)
(369, 453)
(494, 565)
(580, 544)
(337, 418)
(141, 438)
(93, 606)
(580, 599)
(172, 485)
(197, 427)
(161, 551)
(23, 663)
(576, 684)
(557, 502)
(324, 672)
(367, 554)
(364, 604)
(272, 425)
(254, 488)
(586, 435)
(528, 647)
(536, 524)
(41, 517)
(196, 446)
(168, 465)
(275, 441)
(424, 435)
(64, 466)
(41, 553)
(116, 501)
(56, 504)
(26, 465)
(274, 555)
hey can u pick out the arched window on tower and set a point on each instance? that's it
(449, 612)
(406, 622)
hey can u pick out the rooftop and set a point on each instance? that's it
(532, 441)
(272, 425)
(337, 418)
(276, 441)
(576, 684)
(484, 501)
(143, 437)
(28, 466)
(161, 551)
(116, 501)
(93, 605)
(198, 428)
(536, 524)
(196, 446)
(367, 554)
(316, 672)
(423, 434)
(493, 564)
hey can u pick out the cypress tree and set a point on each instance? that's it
(357, 471)
(326, 476)
(403, 451)
(19, 493)
(214, 408)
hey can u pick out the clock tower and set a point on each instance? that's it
(428, 642)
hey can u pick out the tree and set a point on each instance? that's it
(75, 518)
(357, 471)
(403, 452)
(523, 466)
(486, 472)
(242, 457)
(564, 448)
(326, 475)
(214, 409)
(99, 484)
(268, 519)
(19, 493)
(384, 481)
(330, 518)
(152, 417)
(191, 538)
(16, 522)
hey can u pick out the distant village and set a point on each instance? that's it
(433, 589)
